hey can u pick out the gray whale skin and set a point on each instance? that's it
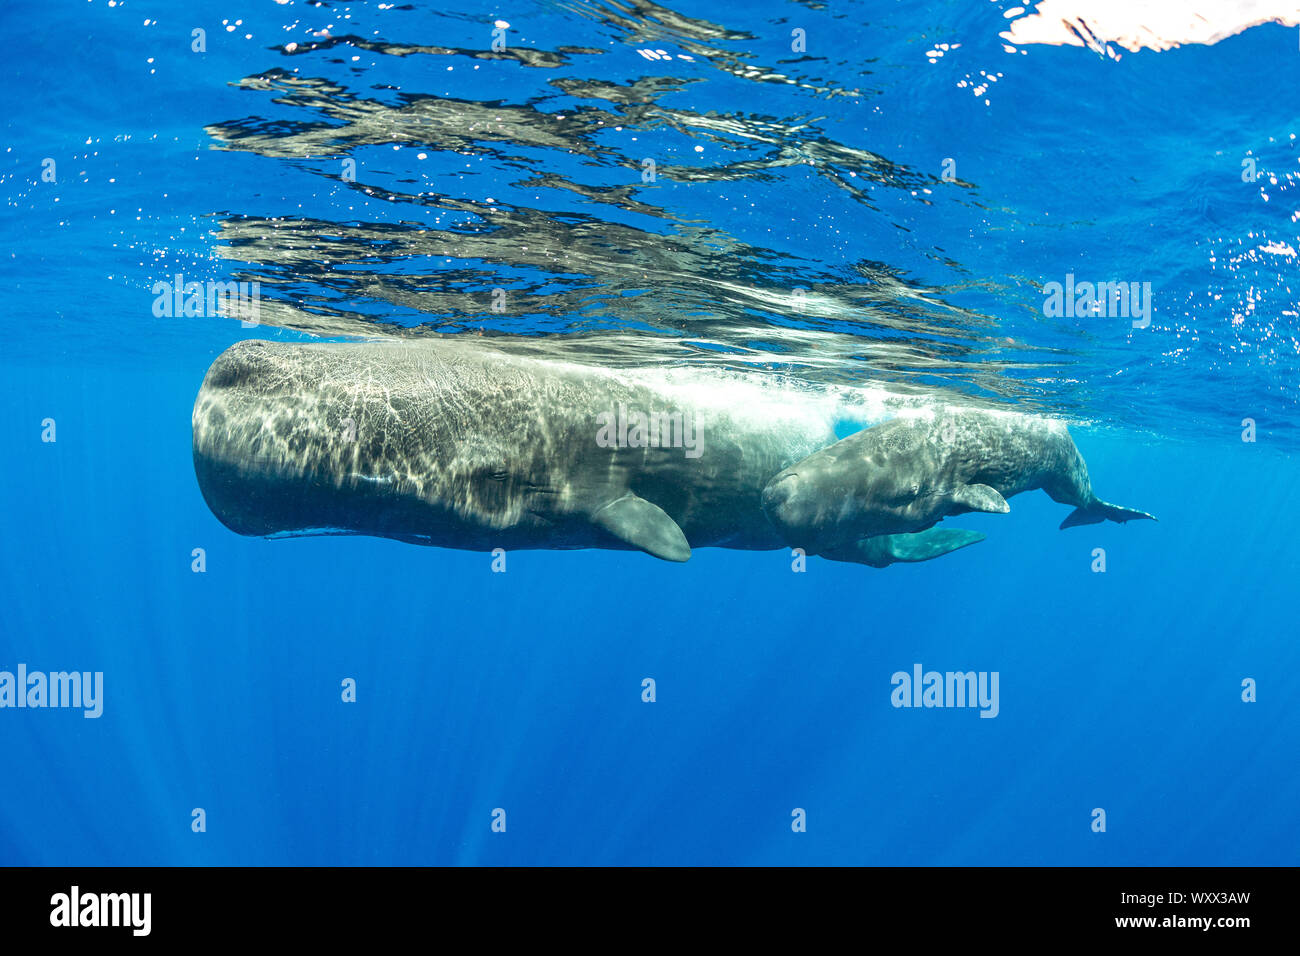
(459, 445)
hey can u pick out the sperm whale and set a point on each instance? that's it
(458, 444)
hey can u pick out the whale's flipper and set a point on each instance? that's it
(886, 549)
(1102, 511)
(978, 498)
(645, 526)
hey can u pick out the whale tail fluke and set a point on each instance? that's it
(1099, 511)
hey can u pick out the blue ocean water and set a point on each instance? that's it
(523, 168)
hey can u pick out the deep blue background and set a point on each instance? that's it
(479, 690)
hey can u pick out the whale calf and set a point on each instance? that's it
(909, 473)
(453, 443)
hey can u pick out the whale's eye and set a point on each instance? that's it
(498, 475)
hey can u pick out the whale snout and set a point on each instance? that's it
(823, 502)
(783, 502)
(240, 364)
(245, 448)
(803, 512)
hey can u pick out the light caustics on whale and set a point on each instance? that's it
(460, 444)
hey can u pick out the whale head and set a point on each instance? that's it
(844, 493)
(321, 438)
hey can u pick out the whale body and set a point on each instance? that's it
(909, 473)
(457, 444)
(454, 444)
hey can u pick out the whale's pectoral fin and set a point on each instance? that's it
(645, 526)
(978, 498)
(886, 549)
(1100, 511)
